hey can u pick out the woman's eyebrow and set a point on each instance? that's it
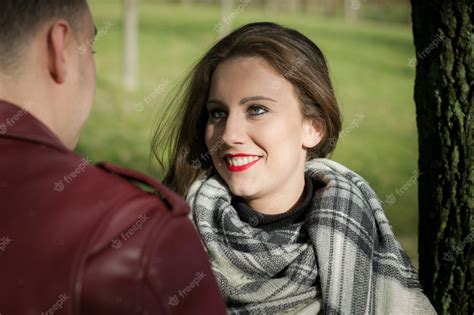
(255, 98)
(242, 101)
(217, 102)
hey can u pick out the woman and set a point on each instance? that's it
(286, 230)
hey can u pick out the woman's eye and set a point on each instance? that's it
(257, 110)
(217, 114)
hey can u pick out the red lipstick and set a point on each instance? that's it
(240, 168)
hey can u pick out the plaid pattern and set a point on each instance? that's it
(343, 259)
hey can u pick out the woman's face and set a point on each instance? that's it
(254, 111)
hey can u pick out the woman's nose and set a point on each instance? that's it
(234, 131)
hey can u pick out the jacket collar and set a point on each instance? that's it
(17, 123)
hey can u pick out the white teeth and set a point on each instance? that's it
(239, 161)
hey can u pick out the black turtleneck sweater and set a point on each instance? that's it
(275, 221)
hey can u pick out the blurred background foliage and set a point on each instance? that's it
(369, 48)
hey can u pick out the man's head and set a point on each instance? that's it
(46, 61)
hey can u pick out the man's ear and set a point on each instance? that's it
(312, 133)
(58, 36)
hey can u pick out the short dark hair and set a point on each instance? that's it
(21, 19)
(177, 146)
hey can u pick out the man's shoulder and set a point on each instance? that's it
(107, 178)
(71, 179)
(71, 170)
(140, 181)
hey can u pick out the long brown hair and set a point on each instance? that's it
(178, 143)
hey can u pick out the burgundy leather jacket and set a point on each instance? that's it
(81, 239)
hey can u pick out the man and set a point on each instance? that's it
(75, 238)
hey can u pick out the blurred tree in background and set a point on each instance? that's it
(226, 8)
(130, 47)
(444, 40)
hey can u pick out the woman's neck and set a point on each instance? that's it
(281, 200)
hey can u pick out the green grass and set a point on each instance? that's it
(368, 64)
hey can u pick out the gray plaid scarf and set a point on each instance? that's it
(342, 259)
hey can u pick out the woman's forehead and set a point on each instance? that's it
(248, 77)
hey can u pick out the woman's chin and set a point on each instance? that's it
(242, 191)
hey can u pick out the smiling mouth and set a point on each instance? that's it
(241, 163)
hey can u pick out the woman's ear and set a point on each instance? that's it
(312, 133)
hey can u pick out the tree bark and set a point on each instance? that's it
(443, 35)
(130, 57)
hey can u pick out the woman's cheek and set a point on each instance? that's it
(208, 136)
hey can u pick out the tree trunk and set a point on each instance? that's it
(226, 17)
(351, 10)
(272, 5)
(312, 6)
(293, 6)
(443, 32)
(331, 7)
(130, 57)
